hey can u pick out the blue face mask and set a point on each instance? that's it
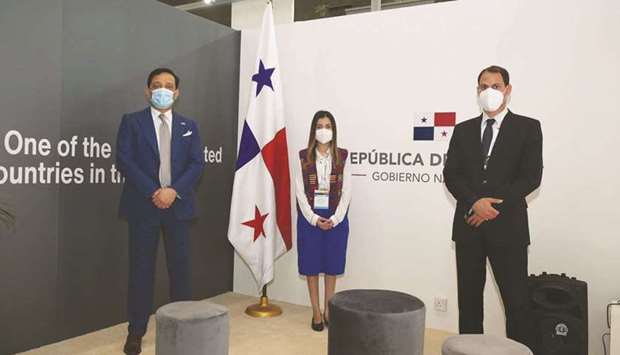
(162, 98)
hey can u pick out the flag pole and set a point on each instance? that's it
(274, 165)
(263, 309)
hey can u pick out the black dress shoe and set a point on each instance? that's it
(325, 320)
(133, 345)
(317, 327)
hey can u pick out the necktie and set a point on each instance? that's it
(487, 137)
(164, 152)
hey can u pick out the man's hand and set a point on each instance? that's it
(483, 208)
(475, 221)
(325, 224)
(164, 197)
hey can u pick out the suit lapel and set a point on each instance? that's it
(476, 140)
(148, 129)
(502, 139)
(177, 132)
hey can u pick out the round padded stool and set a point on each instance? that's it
(372, 322)
(480, 344)
(192, 328)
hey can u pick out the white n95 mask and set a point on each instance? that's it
(490, 99)
(324, 135)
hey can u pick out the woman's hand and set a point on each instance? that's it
(325, 224)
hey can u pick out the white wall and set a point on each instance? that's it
(248, 14)
(374, 71)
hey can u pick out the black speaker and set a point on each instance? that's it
(559, 315)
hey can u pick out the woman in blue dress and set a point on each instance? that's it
(323, 189)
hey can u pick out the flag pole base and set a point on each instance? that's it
(264, 309)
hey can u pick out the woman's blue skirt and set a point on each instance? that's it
(320, 251)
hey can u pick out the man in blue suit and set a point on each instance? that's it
(159, 153)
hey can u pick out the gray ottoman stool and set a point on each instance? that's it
(479, 344)
(192, 328)
(375, 322)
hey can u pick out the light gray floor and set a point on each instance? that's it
(285, 335)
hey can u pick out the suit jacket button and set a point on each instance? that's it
(484, 181)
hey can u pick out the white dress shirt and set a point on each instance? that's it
(323, 170)
(499, 118)
(157, 122)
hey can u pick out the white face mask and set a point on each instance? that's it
(490, 99)
(324, 135)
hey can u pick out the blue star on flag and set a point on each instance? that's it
(263, 77)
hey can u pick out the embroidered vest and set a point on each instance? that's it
(311, 182)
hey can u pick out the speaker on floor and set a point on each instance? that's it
(559, 315)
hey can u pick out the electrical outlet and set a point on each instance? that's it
(441, 304)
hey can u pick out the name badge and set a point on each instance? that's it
(321, 200)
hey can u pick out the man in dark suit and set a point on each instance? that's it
(494, 161)
(159, 154)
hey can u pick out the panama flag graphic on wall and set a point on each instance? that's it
(260, 215)
(433, 126)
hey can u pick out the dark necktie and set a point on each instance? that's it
(487, 137)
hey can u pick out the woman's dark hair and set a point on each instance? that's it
(312, 143)
(159, 71)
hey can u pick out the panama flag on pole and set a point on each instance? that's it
(260, 215)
